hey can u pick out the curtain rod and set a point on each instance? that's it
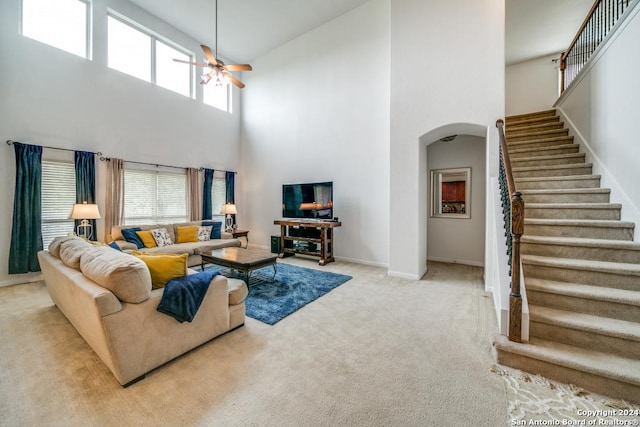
(10, 142)
(98, 153)
(155, 164)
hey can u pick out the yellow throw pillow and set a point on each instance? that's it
(187, 234)
(164, 267)
(147, 239)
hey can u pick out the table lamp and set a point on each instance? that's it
(85, 211)
(229, 209)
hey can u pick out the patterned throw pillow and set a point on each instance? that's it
(161, 236)
(215, 231)
(204, 233)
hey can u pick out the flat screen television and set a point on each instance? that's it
(313, 200)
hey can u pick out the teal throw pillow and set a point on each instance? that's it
(130, 236)
(115, 246)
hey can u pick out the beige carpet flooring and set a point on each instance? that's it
(376, 351)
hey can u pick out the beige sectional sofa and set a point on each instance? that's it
(194, 249)
(106, 294)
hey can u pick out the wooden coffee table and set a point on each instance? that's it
(242, 260)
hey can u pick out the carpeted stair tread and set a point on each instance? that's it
(597, 293)
(556, 178)
(585, 242)
(542, 129)
(622, 268)
(551, 182)
(574, 205)
(518, 144)
(514, 123)
(568, 191)
(542, 113)
(580, 222)
(621, 329)
(553, 167)
(549, 149)
(547, 130)
(569, 157)
(594, 362)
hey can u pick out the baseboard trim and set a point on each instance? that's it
(22, 280)
(456, 261)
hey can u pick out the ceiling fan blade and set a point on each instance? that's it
(237, 67)
(209, 54)
(235, 81)
(199, 64)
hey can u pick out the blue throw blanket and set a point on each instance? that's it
(182, 296)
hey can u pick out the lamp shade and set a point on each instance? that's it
(85, 211)
(229, 208)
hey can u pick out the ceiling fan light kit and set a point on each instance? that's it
(218, 70)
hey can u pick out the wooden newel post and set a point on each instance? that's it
(563, 66)
(515, 299)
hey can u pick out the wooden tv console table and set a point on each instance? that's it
(302, 236)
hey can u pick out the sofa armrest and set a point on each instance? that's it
(225, 235)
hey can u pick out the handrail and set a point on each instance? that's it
(513, 210)
(601, 18)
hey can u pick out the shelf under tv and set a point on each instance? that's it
(321, 235)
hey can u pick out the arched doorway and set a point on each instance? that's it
(456, 238)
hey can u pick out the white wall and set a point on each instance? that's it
(447, 66)
(318, 110)
(532, 85)
(50, 97)
(459, 240)
(601, 110)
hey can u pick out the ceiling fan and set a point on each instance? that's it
(218, 70)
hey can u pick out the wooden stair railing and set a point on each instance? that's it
(599, 21)
(513, 211)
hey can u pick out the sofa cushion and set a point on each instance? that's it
(71, 250)
(187, 234)
(54, 246)
(162, 237)
(215, 231)
(164, 267)
(126, 276)
(147, 238)
(237, 291)
(130, 236)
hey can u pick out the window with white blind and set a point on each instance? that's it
(58, 197)
(218, 193)
(154, 197)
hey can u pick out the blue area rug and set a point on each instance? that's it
(272, 299)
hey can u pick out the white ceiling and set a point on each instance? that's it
(250, 28)
(536, 28)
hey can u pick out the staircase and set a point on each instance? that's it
(580, 264)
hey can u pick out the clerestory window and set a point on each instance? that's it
(64, 24)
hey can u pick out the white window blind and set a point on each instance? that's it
(154, 197)
(218, 193)
(58, 197)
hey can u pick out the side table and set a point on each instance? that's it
(241, 233)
